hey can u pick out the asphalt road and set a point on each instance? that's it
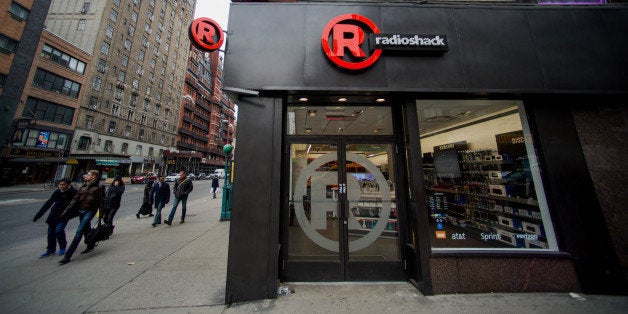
(17, 210)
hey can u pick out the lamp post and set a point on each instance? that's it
(225, 213)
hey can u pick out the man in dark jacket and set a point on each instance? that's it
(56, 226)
(182, 187)
(85, 203)
(160, 196)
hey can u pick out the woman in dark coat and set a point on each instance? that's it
(146, 208)
(113, 197)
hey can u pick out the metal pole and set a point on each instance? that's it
(225, 213)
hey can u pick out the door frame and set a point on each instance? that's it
(343, 269)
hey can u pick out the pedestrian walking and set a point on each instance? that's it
(182, 188)
(147, 203)
(160, 196)
(87, 200)
(215, 185)
(113, 198)
(59, 199)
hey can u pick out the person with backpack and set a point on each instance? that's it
(182, 188)
(59, 199)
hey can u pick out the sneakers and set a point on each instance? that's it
(182, 221)
(151, 215)
(168, 222)
(87, 250)
(154, 225)
(64, 261)
(61, 251)
(46, 254)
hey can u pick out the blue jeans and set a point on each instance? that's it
(159, 205)
(174, 208)
(85, 218)
(56, 233)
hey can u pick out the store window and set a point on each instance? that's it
(482, 179)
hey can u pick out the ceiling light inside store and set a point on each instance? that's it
(380, 100)
(342, 99)
(303, 99)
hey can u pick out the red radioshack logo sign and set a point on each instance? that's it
(206, 34)
(344, 41)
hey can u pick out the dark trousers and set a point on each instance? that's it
(56, 233)
(109, 216)
(83, 229)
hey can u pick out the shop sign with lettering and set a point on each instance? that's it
(344, 42)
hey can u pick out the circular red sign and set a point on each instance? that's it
(353, 19)
(206, 34)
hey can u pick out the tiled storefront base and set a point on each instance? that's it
(507, 274)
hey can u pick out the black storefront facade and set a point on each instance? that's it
(486, 166)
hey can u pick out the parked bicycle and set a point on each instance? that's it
(51, 184)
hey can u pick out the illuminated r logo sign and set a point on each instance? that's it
(206, 34)
(348, 31)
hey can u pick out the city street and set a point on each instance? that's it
(182, 269)
(139, 267)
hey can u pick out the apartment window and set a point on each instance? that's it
(84, 142)
(125, 60)
(157, 108)
(102, 65)
(55, 83)
(140, 55)
(97, 83)
(152, 63)
(127, 45)
(150, 152)
(141, 134)
(138, 150)
(138, 69)
(121, 76)
(116, 2)
(143, 122)
(147, 28)
(108, 146)
(3, 80)
(133, 101)
(18, 12)
(7, 45)
(93, 102)
(148, 90)
(130, 115)
(115, 110)
(154, 123)
(89, 122)
(163, 139)
(136, 84)
(152, 137)
(113, 16)
(124, 148)
(61, 58)
(127, 131)
(81, 25)
(109, 31)
(105, 48)
(112, 127)
(146, 105)
(85, 8)
(48, 111)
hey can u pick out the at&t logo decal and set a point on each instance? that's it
(206, 34)
(349, 31)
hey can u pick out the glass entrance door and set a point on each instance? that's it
(342, 220)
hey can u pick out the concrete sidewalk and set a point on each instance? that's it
(182, 269)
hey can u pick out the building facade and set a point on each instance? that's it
(207, 116)
(131, 108)
(19, 38)
(462, 148)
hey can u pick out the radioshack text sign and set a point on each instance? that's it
(344, 41)
(206, 34)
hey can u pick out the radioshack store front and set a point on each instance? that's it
(439, 145)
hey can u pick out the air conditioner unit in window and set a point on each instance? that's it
(83, 11)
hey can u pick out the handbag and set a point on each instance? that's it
(100, 233)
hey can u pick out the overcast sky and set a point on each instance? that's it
(217, 10)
